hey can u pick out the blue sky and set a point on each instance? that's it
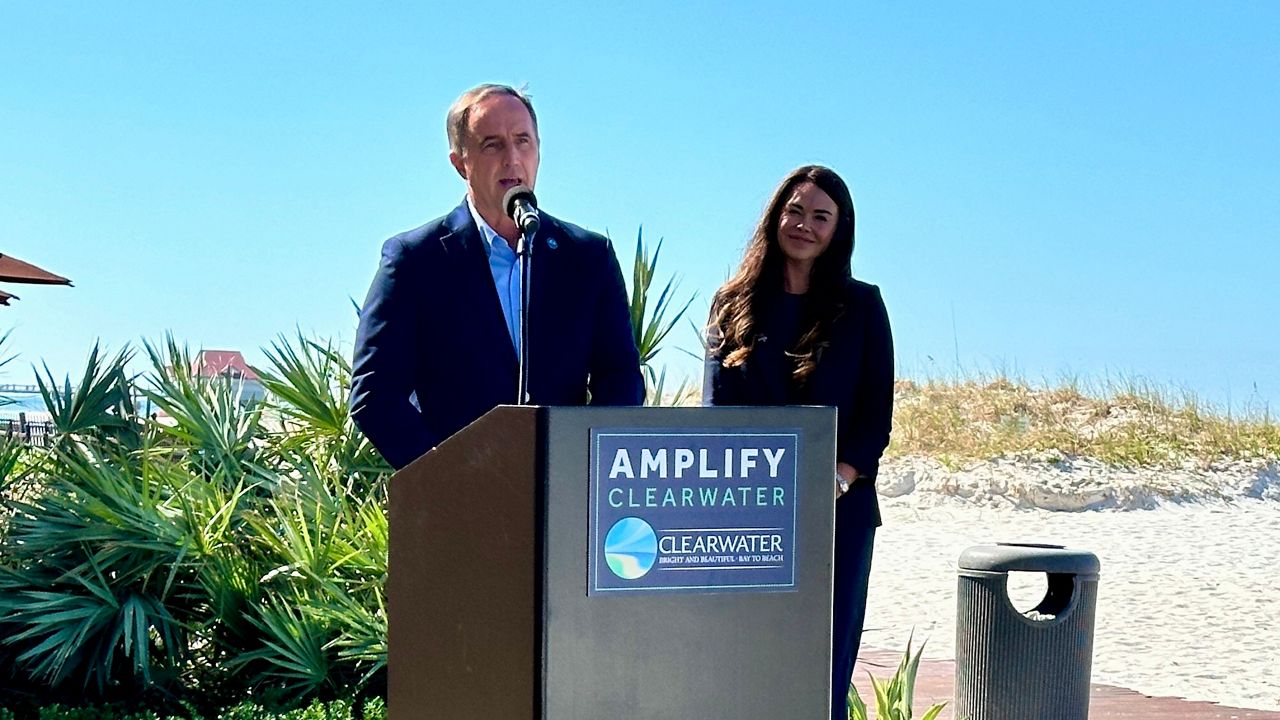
(1082, 189)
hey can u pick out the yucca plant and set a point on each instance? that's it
(96, 585)
(321, 532)
(15, 468)
(100, 407)
(894, 697)
(208, 423)
(221, 549)
(653, 319)
(656, 394)
(94, 589)
(323, 617)
(309, 384)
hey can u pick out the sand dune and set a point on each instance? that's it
(1188, 598)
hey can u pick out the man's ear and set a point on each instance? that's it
(456, 161)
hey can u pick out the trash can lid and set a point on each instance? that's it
(1020, 557)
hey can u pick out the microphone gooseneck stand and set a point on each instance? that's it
(524, 253)
(522, 207)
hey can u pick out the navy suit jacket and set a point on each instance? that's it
(433, 352)
(855, 375)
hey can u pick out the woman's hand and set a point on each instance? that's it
(847, 473)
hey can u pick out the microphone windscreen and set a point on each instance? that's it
(519, 192)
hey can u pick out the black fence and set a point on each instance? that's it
(36, 433)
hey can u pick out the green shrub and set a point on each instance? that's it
(341, 709)
(223, 549)
(894, 696)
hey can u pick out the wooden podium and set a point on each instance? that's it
(542, 566)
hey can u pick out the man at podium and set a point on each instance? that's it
(439, 338)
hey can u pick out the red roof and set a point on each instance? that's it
(222, 363)
(14, 270)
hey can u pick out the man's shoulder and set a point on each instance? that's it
(576, 235)
(425, 238)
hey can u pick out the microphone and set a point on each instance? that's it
(522, 207)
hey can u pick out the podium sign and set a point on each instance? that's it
(561, 563)
(697, 510)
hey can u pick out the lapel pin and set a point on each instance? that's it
(552, 244)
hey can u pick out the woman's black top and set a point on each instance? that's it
(778, 331)
(854, 373)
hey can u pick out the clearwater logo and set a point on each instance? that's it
(630, 548)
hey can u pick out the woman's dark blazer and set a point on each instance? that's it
(854, 374)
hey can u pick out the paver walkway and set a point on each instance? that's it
(935, 682)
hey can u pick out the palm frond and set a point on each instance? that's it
(209, 419)
(308, 379)
(894, 697)
(101, 404)
(651, 322)
(293, 651)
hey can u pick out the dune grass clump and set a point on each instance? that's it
(1129, 424)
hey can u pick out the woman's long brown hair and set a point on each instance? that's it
(736, 307)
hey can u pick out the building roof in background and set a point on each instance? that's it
(222, 363)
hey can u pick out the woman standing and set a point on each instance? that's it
(793, 327)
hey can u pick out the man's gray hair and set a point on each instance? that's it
(460, 112)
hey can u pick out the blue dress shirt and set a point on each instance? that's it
(505, 269)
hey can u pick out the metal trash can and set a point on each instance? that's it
(1032, 666)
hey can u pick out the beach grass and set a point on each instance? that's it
(1128, 423)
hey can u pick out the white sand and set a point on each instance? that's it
(1189, 597)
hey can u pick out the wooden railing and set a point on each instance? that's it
(36, 433)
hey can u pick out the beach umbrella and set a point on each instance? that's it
(17, 271)
(14, 270)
